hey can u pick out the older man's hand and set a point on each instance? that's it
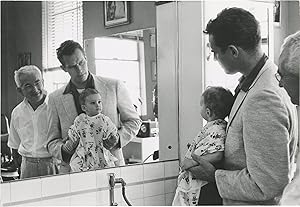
(204, 171)
(111, 141)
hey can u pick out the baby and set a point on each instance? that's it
(215, 105)
(91, 129)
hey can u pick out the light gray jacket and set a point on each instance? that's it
(116, 105)
(260, 145)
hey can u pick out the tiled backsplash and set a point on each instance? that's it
(149, 184)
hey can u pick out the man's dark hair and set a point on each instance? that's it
(234, 26)
(86, 93)
(219, 100)
(67, 48)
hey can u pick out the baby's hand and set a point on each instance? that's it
(73, 135)
(111, 141)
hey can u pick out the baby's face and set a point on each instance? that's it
(93, 105)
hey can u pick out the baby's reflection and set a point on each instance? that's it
(94, 133)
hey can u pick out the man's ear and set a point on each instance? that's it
(20, 91)
(234, 50)
(83, 107)
(208, 112)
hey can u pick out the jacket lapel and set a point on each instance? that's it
(69, 106)
(236, 106)
(100, 86)
(242, 95)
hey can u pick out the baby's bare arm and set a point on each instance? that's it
(212, 157)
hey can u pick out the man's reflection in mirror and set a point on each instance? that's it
(64, 106)
(28, 127)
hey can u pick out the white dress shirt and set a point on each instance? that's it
(28, 130)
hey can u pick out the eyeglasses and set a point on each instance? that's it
(29, 87)
(278, 77)
(81, 63)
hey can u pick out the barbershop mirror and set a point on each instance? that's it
(130, 57)
(150, 82)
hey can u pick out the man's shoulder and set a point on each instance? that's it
(266, 82)
(57, 93)
(18, 108)
(105, 80)
(266, 90)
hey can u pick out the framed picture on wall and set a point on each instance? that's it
(116, 13)
(276, 13)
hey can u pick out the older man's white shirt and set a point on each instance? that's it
(28, 130)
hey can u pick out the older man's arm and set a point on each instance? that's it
(266, 126)
(130, 120)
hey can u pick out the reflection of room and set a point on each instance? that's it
(44, 55)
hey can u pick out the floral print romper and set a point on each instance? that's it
(90, 153)
(209, 140)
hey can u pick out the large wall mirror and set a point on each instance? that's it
(132, 53)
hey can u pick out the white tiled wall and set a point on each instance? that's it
(26, 190)
(150, 184)
(153, 189)
(5, 193)
(154, 171)
(83, 181)
(55, 185)
(155, 201)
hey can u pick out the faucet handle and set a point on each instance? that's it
(111, 179)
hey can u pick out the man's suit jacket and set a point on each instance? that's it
(260, 144)
(116, 105)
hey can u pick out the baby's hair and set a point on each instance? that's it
(86, 93)
(219, 100)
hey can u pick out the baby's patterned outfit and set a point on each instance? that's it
(209, 140)
(90, 153)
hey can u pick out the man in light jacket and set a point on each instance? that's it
(64, 106)
(262, 127)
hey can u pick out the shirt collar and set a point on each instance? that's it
(70, 87)
(25, 101)
(246, 81)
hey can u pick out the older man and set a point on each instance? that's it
(64, 106)
(288, 77)
(28, 127)
(261, 131)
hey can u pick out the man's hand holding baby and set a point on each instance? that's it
(188, 163)
(112, 141)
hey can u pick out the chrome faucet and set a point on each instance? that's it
(112, 182)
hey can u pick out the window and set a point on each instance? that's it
(122, 58)
(62, 20)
